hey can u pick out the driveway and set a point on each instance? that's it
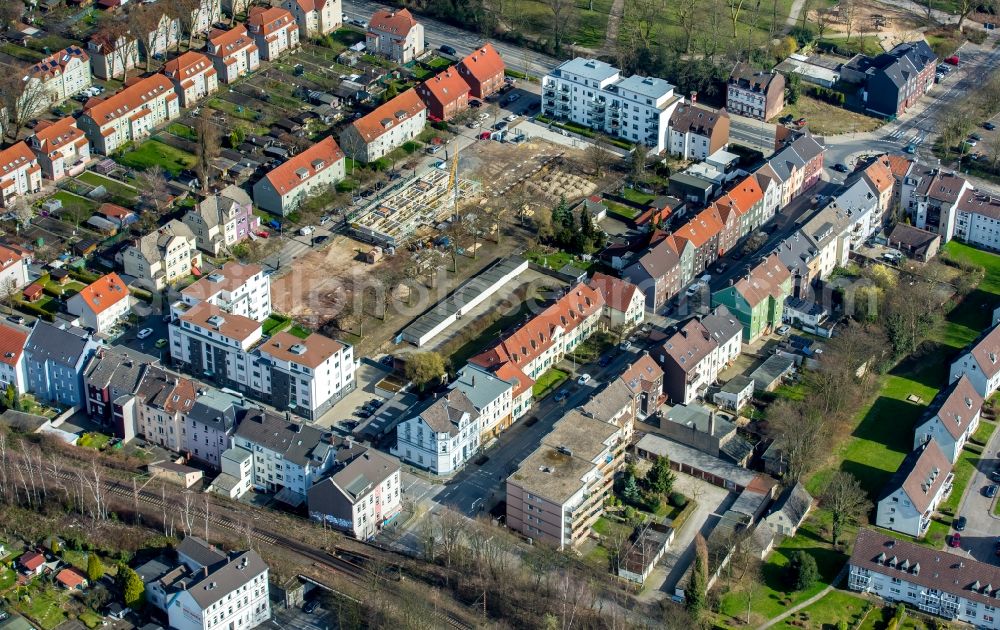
(980, 535)
(297, 619)
(713, 501)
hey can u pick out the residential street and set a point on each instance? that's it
(981, 533)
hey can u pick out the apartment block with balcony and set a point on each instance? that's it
(935, 582)
(235, 288)
(559, 490)
(912, 495)
(980, 363)
(394, 33)
(593, 94)
(233, 53)
(315, 17)
(310, 172)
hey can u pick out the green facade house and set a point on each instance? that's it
(758, 299)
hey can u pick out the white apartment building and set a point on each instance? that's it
(162, 257)
(20, 173)
(288, 456)
(129, 115)
(233, 52)
(934, 582)
(61, 147)
(980, 363)
(491, 396)
(12, 368)
(164, 38)
(193, 75)
(395, 34)
(274, 30)
(103, 304)
(912, 495)
(13, 268)
(361, 497)
(442, 436)
(162, 400)
(210, 590)
(386, 127)
(315, 17)
(314, 170)
(593, 94)
(209, 12)
(624, 303)
(951, 419)
(112, 59)
(62, 74)
(235, 288)
(306, 376)
(977, 220)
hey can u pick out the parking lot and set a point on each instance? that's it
(298, 619)
(979, 538)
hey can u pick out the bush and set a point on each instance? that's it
(83, 275)
(142, 294)
(410, 147)
(440, 125)
(826, 94)
(35, 310)
(677, 500)
(802, 571)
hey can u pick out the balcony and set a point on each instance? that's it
(549, 92)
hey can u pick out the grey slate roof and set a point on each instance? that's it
(151, 245)
(59, 344)
(698, 418)
(795, 252)
(721, 324)
(588, 68)
(652, 87)
(363, 473)
(298, 443)
(222, 578)
(220, 208)
(199, 552)
(479, 385)
(795, 502)
(118, 367)
(608, 402)
(737, 448)
(736, 384)
(444, 414)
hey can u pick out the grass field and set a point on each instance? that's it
(984, 432)
(635, 196)
(548, 381)
(837, 606)
(113, 186)
(153, 153)
(43, 605)
(826, 119)
(96, 441)
(75, 207)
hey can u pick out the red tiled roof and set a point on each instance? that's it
(231, 41)
(54, 64)
(701, 228)
(70, 578)
(31, 560)
(390, 21)
(746, 193)
(898, 165)
(131, 98)
(879, 173)
(269, 20)
(12, 342)
(617, 293)
(446, 87)
(54, 135)
(385, 116)
(764, 281)
(311, 351)
(32, 291)
(111, 210)
(188, 65)
(15, 157)
(483, 64)
(302, 167)
(513, 374)
(8, 257)
(103, 293)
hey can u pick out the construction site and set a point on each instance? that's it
(397, 215)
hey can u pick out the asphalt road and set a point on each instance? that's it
(981, 532)
(464, 42)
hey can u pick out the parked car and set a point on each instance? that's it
(446, 49)
(626, 345)
(976, 137)
(996, 548)
(787, 118)
(989, 126)
(991, 490)
(17, 319)
(960, 524)
(955, 541)
(783, 329)
(513, 97)
(161, 343)
(306, 230)
(604, 361)
(561, 395)
(800, 122)
(512, 118)
(953, 60)
(310, 606)
(485, 135)
(145, 332)
(840, 168)
(263, 234)
(475, 102)
(583, 380)
(319, 240)
(995, 475)
(473, 125)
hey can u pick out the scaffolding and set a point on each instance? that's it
(391, 219)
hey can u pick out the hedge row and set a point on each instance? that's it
(826, 94)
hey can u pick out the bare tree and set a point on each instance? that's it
(966, 7)
(207, 147)
(10, 12)
(240, 7)
(735, 8)
(847, 502)
(563, 20)
(849, 12)
(151, 25)
(187, 514)
(23, 213)
(598, 155)
(22, 97)
(153, 187)
(450, 532)
(686, 12)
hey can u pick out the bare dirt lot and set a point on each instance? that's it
(890, 24)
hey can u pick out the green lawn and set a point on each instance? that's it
(627, 212)
(984, 432)
(7, 578)
(113, 186)
(275, 323)
(300, 331)
(635, 196)
(96, 441)
(20, 52)
(837, 606)
(963, 470)
(556, 260)
(43, 605)
(774, 598)
(182, 131)
(75, 207)
(153, 153)
(548, 381)
(90, 619)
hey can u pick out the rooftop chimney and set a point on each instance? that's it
(711, 422)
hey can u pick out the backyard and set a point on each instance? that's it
(155, 153)
(826, 119)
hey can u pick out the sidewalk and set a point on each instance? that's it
(809, 602)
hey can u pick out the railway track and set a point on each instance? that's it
(347, 563)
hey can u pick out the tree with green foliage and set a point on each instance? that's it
(95, 568)
(793, 88)
(630, 490)
(425, 368)
(659, 478)
(237, 136)
(11, 399)
(802, 571)
(133, 591)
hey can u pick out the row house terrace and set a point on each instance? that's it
(62, 75)
(129, 115)
(314, 170)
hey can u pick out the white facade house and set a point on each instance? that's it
(980, 363)
(491, 396)
(233, 52)
(103, 304)
(61, 147)
(63, 74)
(977, 221)
(12, 368)
(315, 17)
(935, 582)
(194, 77)
(951, 419)
(697, 353)
(387, 127)
(361, 497)
(593, 94)
(287, 456)
(223, 220)
(211, 590)
(912, 495)
(236, 478)
(209, 12)
(112, 59)
(162, 257)
(395, 34)
(235, 288)
(13, 269)
(274, 30)
(442, 436)
(20, 173)
(129, 115)
(624, 303)
(312, 171)
(165, 37)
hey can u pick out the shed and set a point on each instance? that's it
(59, 276)
(33, 292)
